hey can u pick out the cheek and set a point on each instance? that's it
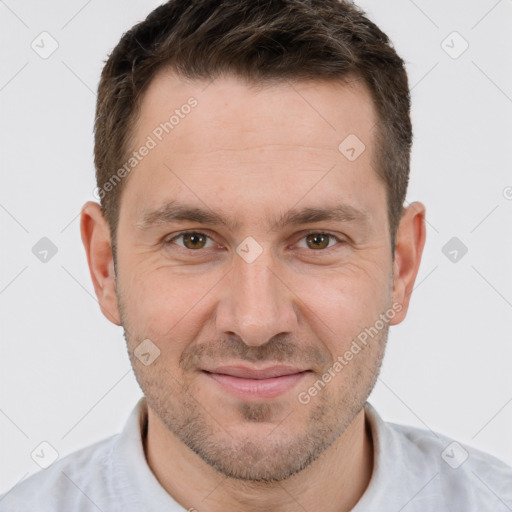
(343, 302)
(163, 306)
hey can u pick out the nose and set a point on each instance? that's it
(257, 303)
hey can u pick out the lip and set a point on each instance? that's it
(245, 372)
(248, 383)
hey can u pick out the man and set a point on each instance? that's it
(252, 164)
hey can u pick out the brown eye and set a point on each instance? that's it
(318, 240)
(194, 240)
(191, 240)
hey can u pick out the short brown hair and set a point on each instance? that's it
(261, 41)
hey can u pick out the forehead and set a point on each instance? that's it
(229, 141)
(321, 112)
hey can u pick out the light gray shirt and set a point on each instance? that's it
(415, 470)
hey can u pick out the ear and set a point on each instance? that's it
(96, 239)
(410, 240)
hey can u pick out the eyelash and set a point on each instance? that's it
(169, 241)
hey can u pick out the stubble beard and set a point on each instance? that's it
(269, 457)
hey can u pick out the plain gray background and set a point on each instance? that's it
(65, 377)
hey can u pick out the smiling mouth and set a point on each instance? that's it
(251, 383)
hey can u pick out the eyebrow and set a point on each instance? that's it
(175, 211)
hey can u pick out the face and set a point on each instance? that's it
(250, 304)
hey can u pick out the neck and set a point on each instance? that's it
(333, 483)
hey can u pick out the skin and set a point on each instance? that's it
(252, 154)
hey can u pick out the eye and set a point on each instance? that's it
(318, 240)
(192, 240)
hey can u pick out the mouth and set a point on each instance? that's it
(251, 383)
